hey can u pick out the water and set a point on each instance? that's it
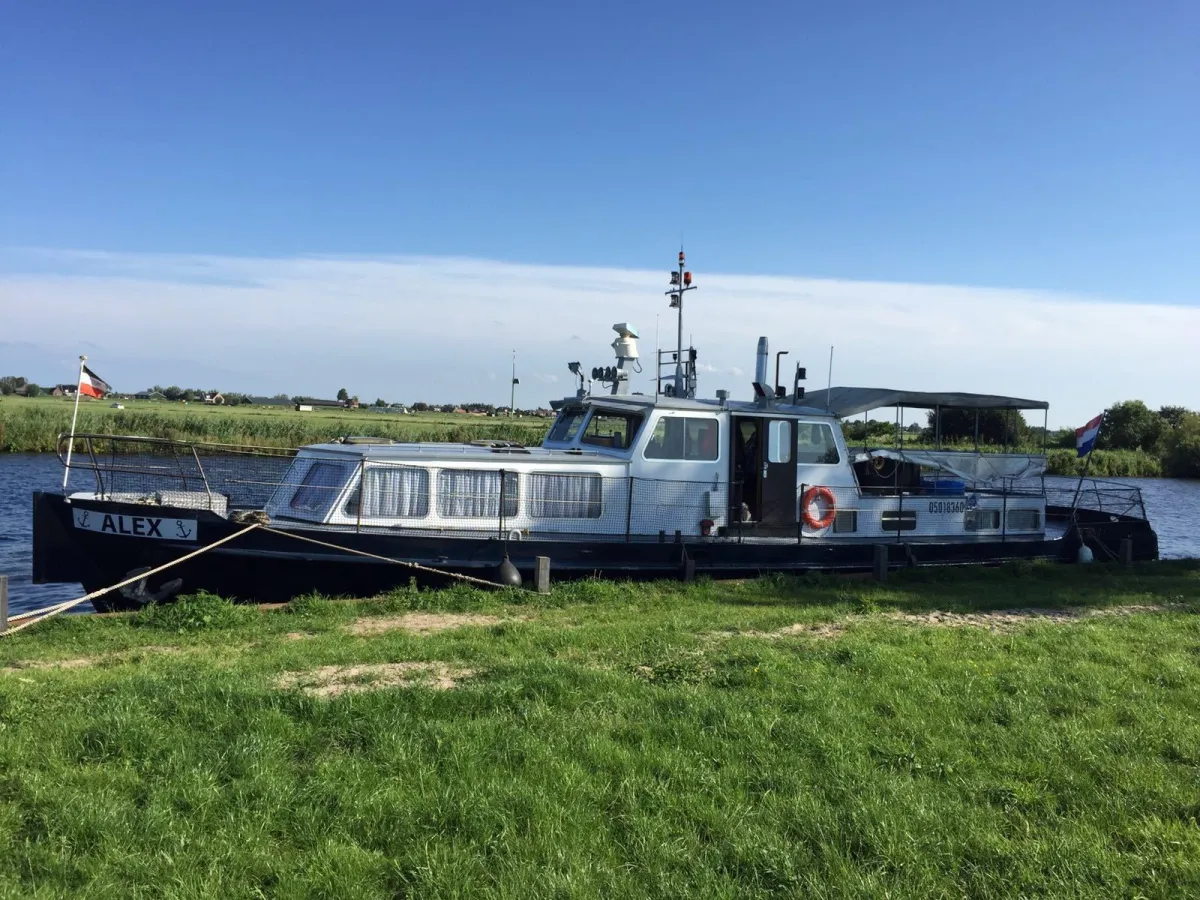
(1172, 505)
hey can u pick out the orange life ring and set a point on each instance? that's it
(818, 492)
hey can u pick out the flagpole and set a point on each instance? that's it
(74, 416)
(512, 388)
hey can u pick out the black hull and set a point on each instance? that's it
(261, 566)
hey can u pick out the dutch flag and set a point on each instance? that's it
(1085, 437)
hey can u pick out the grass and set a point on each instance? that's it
(33, 425)
(619, 741)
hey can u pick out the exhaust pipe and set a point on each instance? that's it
(760, 369)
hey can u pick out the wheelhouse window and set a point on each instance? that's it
(684, 437)
(815, 445)
(611, 429)
(475, 493)
(322, 483)
(566, 426)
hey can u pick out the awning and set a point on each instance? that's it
(982, 469)
(849, 401)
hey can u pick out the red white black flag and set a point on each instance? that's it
(91, 384)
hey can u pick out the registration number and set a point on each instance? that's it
(136, 526)
(947, 506)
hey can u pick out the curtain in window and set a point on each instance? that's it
(397, 492)
(564, 496)
(475, 493)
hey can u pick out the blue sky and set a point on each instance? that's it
(1033, 147)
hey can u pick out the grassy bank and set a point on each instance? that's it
(803, 737)
(1105, 464)
(33, 426)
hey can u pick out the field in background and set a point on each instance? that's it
(33, 425)
(811, 737)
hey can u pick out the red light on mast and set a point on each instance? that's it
(687, 278)
(681, 256)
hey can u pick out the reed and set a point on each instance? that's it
(1105, 464)
(31, 427)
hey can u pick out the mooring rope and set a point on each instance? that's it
(470, 579)
(26, 619)
(40, 615)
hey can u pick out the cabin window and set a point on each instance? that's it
(475, 493)
(566, 426)
(779, 441)
(322, 483)
(684, 437)
(815, 445)
(565, 496)
(1024, 519)
(611, 429)
(393, 492)
(981, 520)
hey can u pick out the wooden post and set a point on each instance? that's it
(881, 562)
(541, 574)
(3, 603)
(1126, 552)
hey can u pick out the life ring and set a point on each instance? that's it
(814, 493)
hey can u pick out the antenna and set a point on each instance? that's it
(657, 360)
(829, 383)
(681, 282)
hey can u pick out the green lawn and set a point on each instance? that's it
(795, 737)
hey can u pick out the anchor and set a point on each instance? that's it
(139, 594)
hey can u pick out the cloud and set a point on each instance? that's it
(434, 328)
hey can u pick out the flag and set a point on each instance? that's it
(1085, 437)
(91, 384)
(516, 381)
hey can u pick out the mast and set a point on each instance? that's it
(681, 281)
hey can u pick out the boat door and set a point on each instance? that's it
(763, 472)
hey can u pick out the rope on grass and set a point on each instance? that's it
(32, 617)
(40, 615)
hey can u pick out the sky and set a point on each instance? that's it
(392, 197)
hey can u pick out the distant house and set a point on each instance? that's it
(64, 390)
(150, 395)
(214, 399)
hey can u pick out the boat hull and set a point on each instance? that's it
(264, 566)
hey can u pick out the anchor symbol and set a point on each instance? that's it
(81, 518)
(183, 532)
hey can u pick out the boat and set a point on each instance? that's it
(624, 485)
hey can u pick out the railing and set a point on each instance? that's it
(1097, 495)
(491, 496)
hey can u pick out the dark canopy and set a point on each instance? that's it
(849, 401)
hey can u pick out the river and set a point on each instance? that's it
(1172, 505)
